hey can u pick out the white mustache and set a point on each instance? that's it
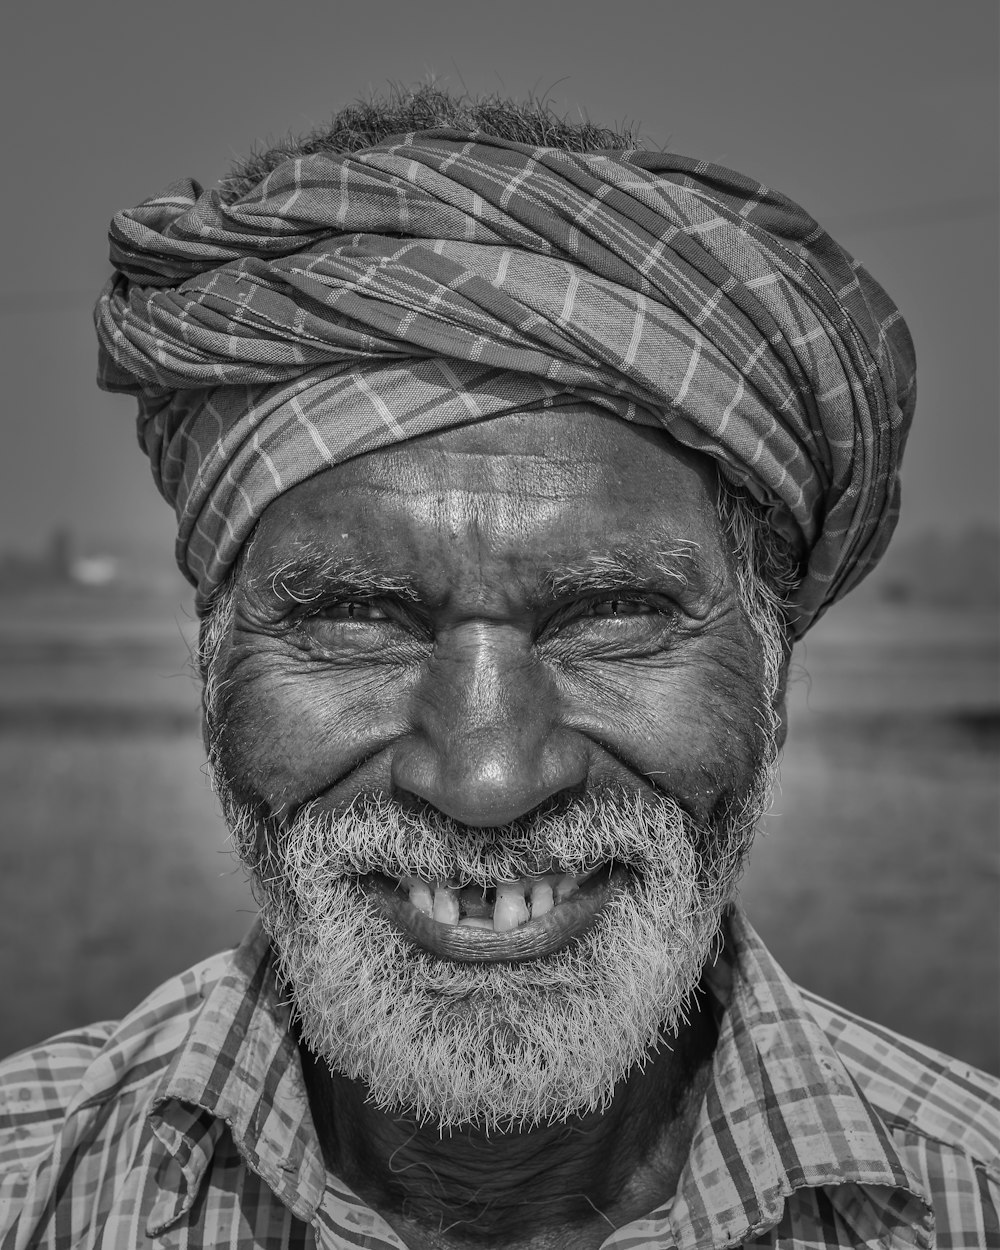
(377, 835)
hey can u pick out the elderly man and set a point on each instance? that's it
(509, 461)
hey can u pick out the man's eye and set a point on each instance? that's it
(351, 610)
(619, 607)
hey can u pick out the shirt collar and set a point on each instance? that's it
(239, 1066)
(781, 1116)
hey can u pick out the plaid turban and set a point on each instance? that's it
(349, 302)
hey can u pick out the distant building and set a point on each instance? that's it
(956, 570)
(57, 565)
(94, 570)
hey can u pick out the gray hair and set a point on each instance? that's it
(429, 106)
(767, 570)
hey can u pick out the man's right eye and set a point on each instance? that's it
(351, 610)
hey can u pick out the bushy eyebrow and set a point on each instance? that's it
(308, 577)
(305, 579)
(670, 566)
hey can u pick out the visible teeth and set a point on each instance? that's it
(445, 905)
(511, 909)
(421, 896)
(565, 886)
(440, 900)
(541, 899)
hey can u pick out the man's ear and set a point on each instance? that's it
(203, 678)
(781, 707)
(780, 703)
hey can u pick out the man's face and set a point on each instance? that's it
(492, 732)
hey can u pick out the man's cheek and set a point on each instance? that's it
(286, 734)
(694, 731)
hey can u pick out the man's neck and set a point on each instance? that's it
(557, 1184)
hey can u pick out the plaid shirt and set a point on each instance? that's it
(187, 1124)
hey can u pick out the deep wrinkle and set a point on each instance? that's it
(488, 717)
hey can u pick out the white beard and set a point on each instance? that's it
(493, 1045)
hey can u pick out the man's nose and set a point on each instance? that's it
(486, 744)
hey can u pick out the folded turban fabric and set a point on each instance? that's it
(353, 301)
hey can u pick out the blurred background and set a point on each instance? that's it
(877, 882)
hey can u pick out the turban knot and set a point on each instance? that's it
(352, 301)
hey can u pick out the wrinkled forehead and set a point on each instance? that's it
(556, 488)
(577, 448)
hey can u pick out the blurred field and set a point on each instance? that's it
(876, 885)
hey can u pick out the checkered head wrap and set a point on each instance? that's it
(349, 302)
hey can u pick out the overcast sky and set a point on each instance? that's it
(880, 116)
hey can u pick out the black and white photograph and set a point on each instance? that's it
(500, 625)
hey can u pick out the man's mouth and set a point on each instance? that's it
(504, 922)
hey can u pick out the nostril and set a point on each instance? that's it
(552, 806)
(481, 780)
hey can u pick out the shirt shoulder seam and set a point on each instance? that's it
(897, 1124)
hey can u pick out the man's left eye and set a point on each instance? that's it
(619, 607)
